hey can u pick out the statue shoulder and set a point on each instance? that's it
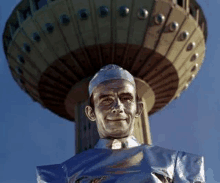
(50, 174)
(57, 173)
(189, 167)
(157, 150)
(186, 167)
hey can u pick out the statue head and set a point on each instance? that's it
(114, 103)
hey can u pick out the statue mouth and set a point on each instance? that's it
(120, 119)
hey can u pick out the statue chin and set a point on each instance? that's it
(117, 134)
(120, 136)
(114, 132)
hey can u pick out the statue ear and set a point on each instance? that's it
(90, 113)
(140, 106)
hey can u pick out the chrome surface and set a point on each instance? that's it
(194, 67)
(103, 11)
(191, 46)
(174, 26)
(159, 19)
(84, 14)
(19, 71)
(21, 81)
(142, 13)
(26, 48)
(20, 59)
(186, 86)
(64, 19)
(123, 11)
(110, 72)
(184, 35)
(49, 28)
(191, 78)
(36, 37)
(194, 57)
(143, 163)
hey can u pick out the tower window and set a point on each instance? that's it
(8, 40)
(26, 13)
(40, 3)
(26, 48)
(193, 11)
(180, 3)
(14, 27)
(21, 59)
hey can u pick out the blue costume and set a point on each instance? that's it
(127, 163)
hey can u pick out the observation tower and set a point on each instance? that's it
(54, 47)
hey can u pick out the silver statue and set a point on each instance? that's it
(118, 157)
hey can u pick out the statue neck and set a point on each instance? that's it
(123, 143)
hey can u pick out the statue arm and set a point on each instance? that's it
(50, 174)
(189, 168)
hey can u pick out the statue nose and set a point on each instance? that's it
(118, 107)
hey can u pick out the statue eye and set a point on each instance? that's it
(107, 100)
(126, 98)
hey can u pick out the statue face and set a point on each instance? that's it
(115, 109)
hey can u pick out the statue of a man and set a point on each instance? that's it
(118, 157)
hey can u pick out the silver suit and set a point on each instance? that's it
(126, 161)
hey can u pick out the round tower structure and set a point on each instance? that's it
(54, 47)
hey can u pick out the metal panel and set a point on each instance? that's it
(54, 83)
(155, 30)
(137, 130)
(138, 30)
(103, 24)
(33, 54)
(14, 52)
(44, 16)
(68, 31)
(55, 74)
(86, 37)
(138, 27)
(184, 79)
(32, 91)
(141, 130)
(189, 25)
(196, 37)
(161, 89)
(200, 50)
(51, 95)
(74, 19)
(160, 68)
(167, 37)
(43, 47)
(187, 74)
(150, 64)
(122, 23)
(26, 73)
(164, 79)
(85, 27)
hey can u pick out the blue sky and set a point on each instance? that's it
(31, 135)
